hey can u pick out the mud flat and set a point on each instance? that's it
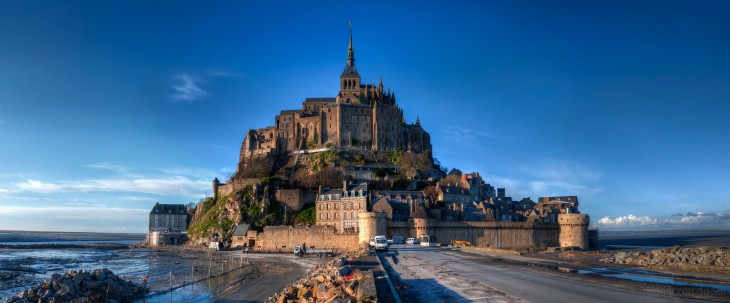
(21, 269)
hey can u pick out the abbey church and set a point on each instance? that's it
(361, 116)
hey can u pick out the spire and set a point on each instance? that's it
(350, 70)
(418, 121)
(350, 50)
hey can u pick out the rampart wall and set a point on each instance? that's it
(507, 235)
(285, 238)
(233, 186)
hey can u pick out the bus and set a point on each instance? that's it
(427, 240)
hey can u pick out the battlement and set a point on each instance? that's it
(573, 219)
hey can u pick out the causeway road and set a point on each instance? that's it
(431, 274)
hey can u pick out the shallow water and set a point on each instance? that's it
(646, 276)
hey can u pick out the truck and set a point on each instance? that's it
(427, 240)
(320, 252)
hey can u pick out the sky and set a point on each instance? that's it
(107, 107)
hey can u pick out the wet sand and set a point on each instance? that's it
(664, 238)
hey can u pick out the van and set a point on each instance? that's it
(397, 240)
(381, 243)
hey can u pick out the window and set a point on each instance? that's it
(328, 216)
(352, 214)
(320, 216)
(344, 215)
(328, 206)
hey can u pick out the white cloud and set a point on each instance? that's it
(465, 136)
(121, 169)
(225, 74)
(186, 89)
(699, 220)
(174, 186)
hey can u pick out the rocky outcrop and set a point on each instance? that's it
(334, 281)
(100, 285)
(674, 256)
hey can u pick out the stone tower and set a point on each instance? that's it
(573, 230)
(371, 224)
(350, 91)
(216, 183)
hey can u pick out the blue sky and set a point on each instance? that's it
(107, 107)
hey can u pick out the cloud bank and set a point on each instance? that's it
(697, 220)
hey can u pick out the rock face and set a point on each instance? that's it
(674, 256)
(98, 286)
(326, 283)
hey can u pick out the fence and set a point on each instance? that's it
(180, 279)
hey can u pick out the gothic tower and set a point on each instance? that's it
(350, 80)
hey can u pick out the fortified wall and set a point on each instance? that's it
(285, 238)
(571, 230)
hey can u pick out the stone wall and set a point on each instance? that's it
(285, 238)
(508, 235)
(295, 199)
(232, 186)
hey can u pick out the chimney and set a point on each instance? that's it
(344, 185)
(320, 188)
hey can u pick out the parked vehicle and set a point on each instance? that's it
(320, 252)
(397, 240)
(460, 243)
(427, 240)
(412, 241)
(215, 245)
(381, 243)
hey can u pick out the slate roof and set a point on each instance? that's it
(350, 70)
(169, 209)
(321, 100)
(420, 213)
(241, 230)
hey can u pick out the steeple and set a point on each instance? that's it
(350, 79)
(350, 51)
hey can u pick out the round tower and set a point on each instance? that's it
(216, 183)
(573, 230)
(371, 224)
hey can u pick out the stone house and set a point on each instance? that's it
(454, 195)
(240, 235)
(168, 225)
(171, 218)
(340, 207)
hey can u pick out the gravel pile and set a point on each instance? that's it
(330, 282)
(101, 285)
(674, 256)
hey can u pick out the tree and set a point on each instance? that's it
(306, 216)
(432, 192)
(451, 180)
(413, 164)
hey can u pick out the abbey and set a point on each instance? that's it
(361, 116)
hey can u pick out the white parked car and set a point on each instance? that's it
(412, 241)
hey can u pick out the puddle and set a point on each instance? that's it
(646, 276)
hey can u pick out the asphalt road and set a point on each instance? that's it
(437, 275)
